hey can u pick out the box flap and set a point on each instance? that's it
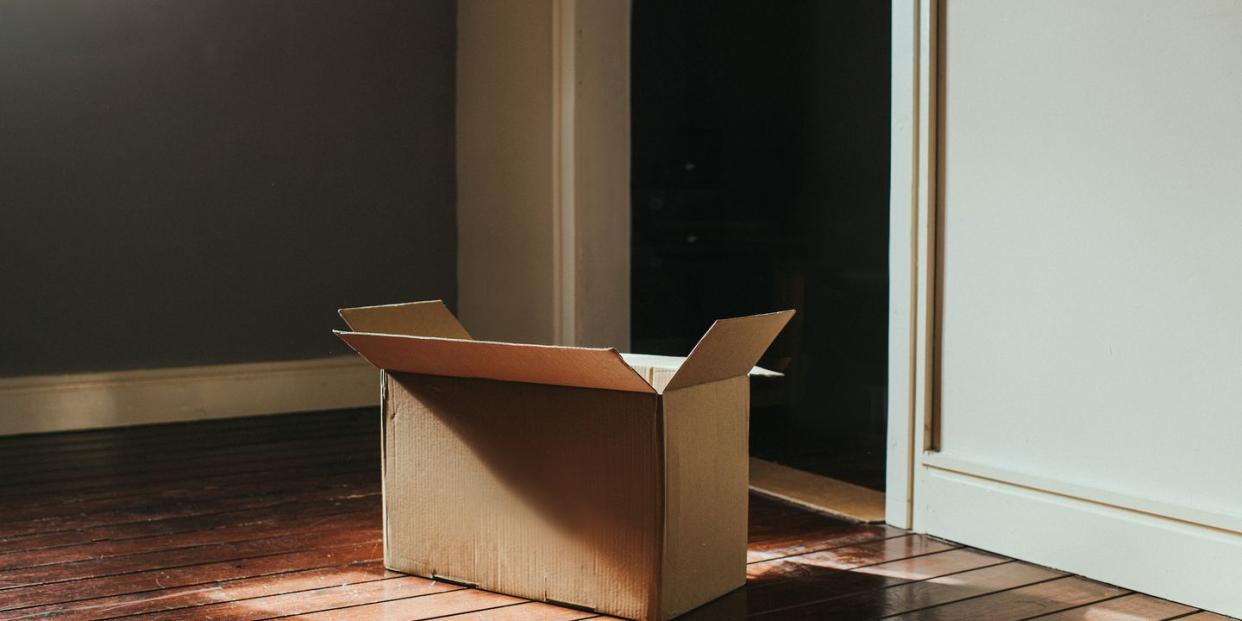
(729, 349)
(509, 362)
(429, 318)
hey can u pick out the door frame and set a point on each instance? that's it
(576, 167)
(913, 255)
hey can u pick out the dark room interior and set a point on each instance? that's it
(760, 181)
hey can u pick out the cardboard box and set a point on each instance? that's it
(564, 474)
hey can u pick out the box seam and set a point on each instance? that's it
(384, 463)
(662, 532)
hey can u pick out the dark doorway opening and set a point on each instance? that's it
(760, 182)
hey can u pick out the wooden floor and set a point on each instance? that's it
(279, 517)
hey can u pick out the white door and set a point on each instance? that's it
(1090, 306)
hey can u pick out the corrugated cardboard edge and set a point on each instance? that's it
(731, 347)
(429, 318)
(656, 604)
(510, 362)
(384, 409)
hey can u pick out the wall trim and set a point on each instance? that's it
(1137, 550)
(1166, 509)
(39, 404)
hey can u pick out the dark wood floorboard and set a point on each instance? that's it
(279, 517)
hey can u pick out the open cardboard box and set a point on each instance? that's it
(583, 477)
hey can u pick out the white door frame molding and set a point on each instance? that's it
(912, 254)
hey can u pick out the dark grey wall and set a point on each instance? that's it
(193, 182)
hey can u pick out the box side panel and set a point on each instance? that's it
(545, 492)
(706, 465)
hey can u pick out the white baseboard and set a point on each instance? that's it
(112, 399)
(1188, 563)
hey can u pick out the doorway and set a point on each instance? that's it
(760, 181)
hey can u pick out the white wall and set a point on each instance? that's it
(505, 190)
(543, 160)
(1092, 314)
(1092, 284)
